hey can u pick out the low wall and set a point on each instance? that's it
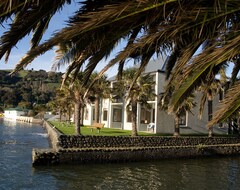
(107, 149)
(29, 119)
(53, 135)
(113, 155)
(67, 141)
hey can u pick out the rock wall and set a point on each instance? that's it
(53, 135)
(66, 141)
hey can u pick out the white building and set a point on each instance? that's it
(13, 113)
(114, 113)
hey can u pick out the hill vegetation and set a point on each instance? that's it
(28, 89)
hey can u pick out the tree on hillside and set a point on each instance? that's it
(26, 88)
(178, 26)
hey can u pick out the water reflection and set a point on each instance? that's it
(197, 174)
(17, 141)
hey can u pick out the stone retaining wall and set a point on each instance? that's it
(66, 141)
(113, 155)
(53, 135)
(107, 149)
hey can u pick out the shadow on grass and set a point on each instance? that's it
(119, 132)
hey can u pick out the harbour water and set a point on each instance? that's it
(16, 171)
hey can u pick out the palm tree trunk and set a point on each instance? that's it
(77, 117)
(210, 112)
(97, 100)
(82, 116)
(134, 118)
(176, 126)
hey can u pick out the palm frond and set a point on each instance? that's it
(201, 67)
(228, 106)
(65, 54)
(144, 61)
(40, 30)
(34, 17)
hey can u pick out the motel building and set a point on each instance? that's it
(13, 113)
(114, 114)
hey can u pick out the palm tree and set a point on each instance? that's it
(61, 103)
(210, 90)
(99, 90)
(188, 104)
(76, 92)
(148, 26)
(141, 92)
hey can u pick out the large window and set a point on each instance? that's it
(117, 115)
(129, 117)
(145, 116)
(86, 114)
(183, 119)
(93, 114)
(105, 112)
(117, 99)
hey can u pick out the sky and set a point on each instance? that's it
(46, 60)
(42, 62)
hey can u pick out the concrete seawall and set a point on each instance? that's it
(53, 135)
(103, 149)
(29, 119)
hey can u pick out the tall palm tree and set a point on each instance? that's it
(140, 93)
(99, 90)
(186, 106)
(61, 103)
(150, 27)
(211, 87)
(75, 91)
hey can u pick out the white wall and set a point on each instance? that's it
(12, 114)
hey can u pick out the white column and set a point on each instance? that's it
(138, 115)
(156, 101)
(109, 113)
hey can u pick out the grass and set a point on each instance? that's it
(22, 73)
(68, 129)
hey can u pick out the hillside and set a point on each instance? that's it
(27, 88)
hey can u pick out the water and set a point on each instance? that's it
(16, 171)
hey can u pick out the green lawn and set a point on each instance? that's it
(68, 129)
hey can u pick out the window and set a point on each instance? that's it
(221, 95)
(183, 119)
(129, 117)
(105, 113)
(86, 114)
(145, 116)
(117, 115)
(117, 99)
(93, 115)
(153, 115)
